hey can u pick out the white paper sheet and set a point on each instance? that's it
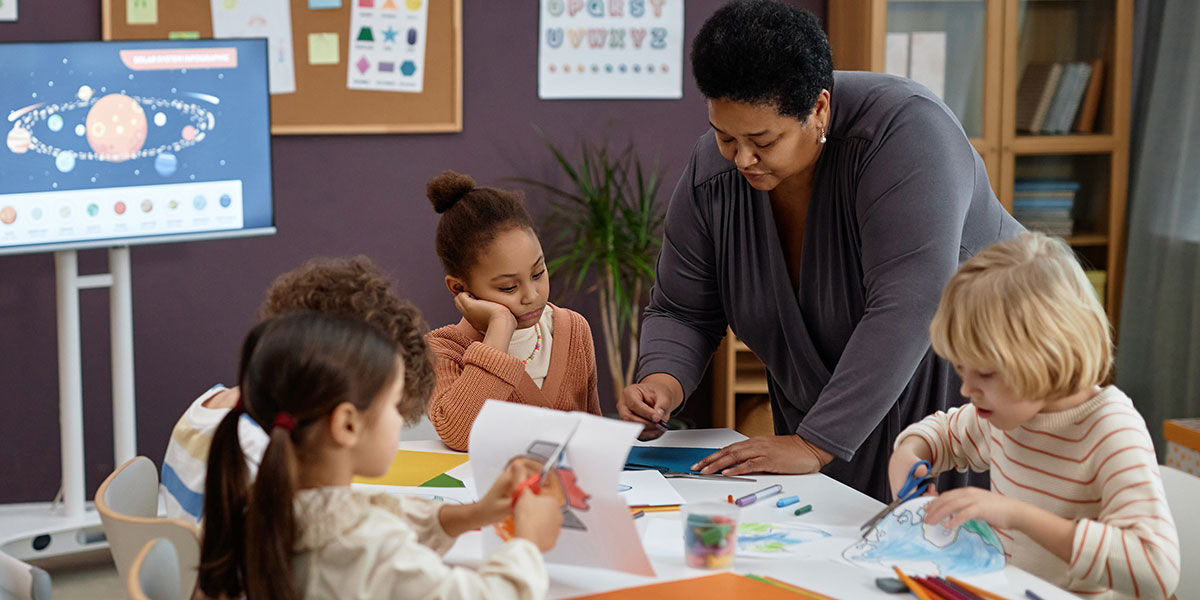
(271, 19)
(8, 10)
(607, 49)
(647, 488)
(387, 45)
(597, 528)
(904, 540)
(462, 495)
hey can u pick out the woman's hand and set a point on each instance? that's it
(493, 319)
(911, 451)
(650, 401)
(768, 454)
(538, 517)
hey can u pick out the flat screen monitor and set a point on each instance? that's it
(118, 143)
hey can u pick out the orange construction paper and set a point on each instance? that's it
(722, 586)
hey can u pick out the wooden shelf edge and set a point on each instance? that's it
(1064, 144)
(1087, 239)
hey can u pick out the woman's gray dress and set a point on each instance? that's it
(900, 199)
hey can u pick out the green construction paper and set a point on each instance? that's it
(323, 49)
(183, 35)
(443, 481)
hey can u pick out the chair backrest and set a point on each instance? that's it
(128, 505)
(1183, 492)
(154, 574)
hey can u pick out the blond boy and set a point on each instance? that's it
(1076, 494)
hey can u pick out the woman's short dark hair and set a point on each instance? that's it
(765, 53)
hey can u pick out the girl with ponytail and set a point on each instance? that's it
(329, 391)
(511, 343)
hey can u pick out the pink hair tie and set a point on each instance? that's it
(285, 420)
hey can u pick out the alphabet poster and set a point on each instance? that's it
(610, 49)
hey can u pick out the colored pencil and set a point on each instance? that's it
(807, 593)
(649, 509)
(913, 586)
(968, 593)
(1031, 595)
(940, 588)
(978, 591)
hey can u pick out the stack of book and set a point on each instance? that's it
(1045, 205)
(1060, 97)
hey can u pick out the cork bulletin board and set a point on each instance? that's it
(322, 104)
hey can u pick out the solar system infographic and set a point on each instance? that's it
(133, 142)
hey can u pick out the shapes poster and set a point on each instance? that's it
(598, 530)
(905, 540)
(387, 45)
(610, 49)
(271, 19)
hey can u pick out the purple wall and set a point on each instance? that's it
(335, 195)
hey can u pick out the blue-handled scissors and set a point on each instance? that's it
(913, 486)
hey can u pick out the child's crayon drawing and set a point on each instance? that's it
(904, 540)
(775, 539)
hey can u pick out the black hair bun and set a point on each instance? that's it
(445, 190)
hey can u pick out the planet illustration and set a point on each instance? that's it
(18, 139)
(119, 208)
(160, 119)
(199, 202)
(116, 127)
(188, 133)
(173, 204)
(55, 122)
(85, 93)
(225, 201)
(8, 214)
(93, 209)
(37, 213)
(147, 205)
(165, 164)
(64, 211)
(65, 161)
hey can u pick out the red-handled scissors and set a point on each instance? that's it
(534, 482)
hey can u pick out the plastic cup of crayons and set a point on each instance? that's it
(710, 535)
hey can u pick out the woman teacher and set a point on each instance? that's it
(819, 218)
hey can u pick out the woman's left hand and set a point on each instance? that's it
(964, 504)
(789, 454)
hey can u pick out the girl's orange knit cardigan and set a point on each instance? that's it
(470, 372)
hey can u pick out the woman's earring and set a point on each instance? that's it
(822, 135)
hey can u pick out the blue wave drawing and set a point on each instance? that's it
(901, 538)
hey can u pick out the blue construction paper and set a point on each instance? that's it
(319, 4)
(667, 457)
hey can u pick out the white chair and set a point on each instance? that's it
(154, 574)
(1183, 495)
(22, 581)
(128, 505)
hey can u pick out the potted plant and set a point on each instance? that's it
(606, 235)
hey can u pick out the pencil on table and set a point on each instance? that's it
(913, 586)
(978, 591)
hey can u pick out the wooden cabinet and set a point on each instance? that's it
(987, 45)
(738, 374)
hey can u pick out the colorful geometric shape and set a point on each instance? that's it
(412, 36)
(390, 5)
(389, 34)
(366, 3)
(365, 35)
(413, 5)
(408, 67)
(363, 64)
(387, 67)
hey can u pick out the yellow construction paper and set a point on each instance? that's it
(322, 48)
(141, 12)
(413, 468)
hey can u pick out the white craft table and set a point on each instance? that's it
(833, 504)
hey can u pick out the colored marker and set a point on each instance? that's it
(749, 499)
(731, 498)
(790, 500)
(1032, 596)
(803, 509)
(663, 424)
(639, 514)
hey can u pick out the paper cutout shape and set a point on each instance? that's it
(648, 488)
(390, 5)
(323, 49)
(8, 10)
(183, 35)
(444, 481)
(324, 4)
(412, 468)
(776, 540)
(666, 457)
(597, 531)
(365, 35)
(904, 540)
(141, 12)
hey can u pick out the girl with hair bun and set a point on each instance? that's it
(511, 344)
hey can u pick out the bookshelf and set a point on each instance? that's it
(986, 47)
(992, 45)
(738, 375)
